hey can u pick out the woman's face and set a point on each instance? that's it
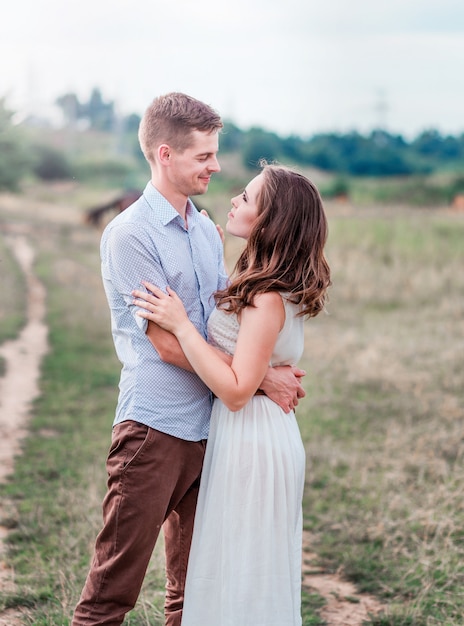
(244, 210)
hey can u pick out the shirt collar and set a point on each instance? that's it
(164, 210)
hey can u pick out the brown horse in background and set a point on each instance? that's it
(96, 215)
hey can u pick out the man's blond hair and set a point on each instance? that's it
(171, 118)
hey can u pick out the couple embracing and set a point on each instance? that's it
(205, 442)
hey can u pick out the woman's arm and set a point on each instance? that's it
(282, 384)
(234, 384)
(170, 351)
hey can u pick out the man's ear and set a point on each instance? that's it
(164, 153)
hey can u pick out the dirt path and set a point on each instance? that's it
(344, 605)
(19, 387)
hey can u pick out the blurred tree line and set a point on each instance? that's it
(378, 154)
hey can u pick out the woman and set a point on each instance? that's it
(245, 560)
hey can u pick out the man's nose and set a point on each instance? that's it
(214, 165)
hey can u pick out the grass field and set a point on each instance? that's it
(382, 420)
(12, 309)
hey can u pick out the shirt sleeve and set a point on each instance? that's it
(129, 256)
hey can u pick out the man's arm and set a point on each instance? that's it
(167, 346)
(169, 350)
(281, 384)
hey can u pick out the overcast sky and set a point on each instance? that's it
(291, 66)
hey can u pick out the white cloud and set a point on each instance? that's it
(299, 66)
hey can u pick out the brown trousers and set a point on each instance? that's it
(153, 481)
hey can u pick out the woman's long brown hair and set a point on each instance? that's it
(285, 250)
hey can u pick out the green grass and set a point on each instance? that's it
(416, 190)
(382, 423)
(384, 414)
(13, 288)
(55, 494)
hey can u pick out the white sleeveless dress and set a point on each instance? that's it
(245, 561)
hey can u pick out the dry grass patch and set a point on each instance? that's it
(384, 416)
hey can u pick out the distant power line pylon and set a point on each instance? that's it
(381, 109)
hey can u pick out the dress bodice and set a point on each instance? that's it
(223, 330)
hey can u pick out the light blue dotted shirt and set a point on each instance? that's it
(149, 241)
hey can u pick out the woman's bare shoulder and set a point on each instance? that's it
(268, 305)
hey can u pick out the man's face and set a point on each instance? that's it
(191, 170)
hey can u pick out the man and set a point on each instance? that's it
(163, 410)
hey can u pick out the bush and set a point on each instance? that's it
(103, 170)
(339, 187)
(51, 164)
(15, 158)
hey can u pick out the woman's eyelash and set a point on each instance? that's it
(244, 196)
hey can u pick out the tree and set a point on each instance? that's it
(70, 107)
(260, 144)
(96, 111)
(99, 113)
(15, 158)
(131, 123)
(231, 138)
